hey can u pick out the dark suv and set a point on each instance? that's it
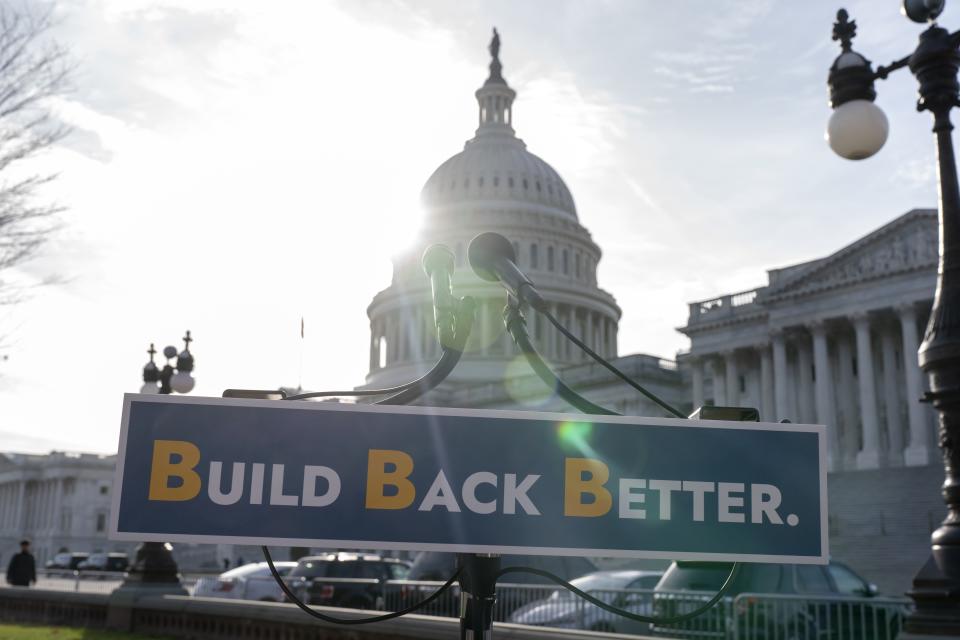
(350, 580)
(783, 602)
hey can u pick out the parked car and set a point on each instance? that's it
(350, 580)
(66, 560)
(565, 610)
(248, 582)
(791, 601)
(114, 562)
(438, 566)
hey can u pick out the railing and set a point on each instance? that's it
(764, 616)
(722, 306)
(88, 581)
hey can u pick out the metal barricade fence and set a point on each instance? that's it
(802, 617)
(765, 616)
(710, 624)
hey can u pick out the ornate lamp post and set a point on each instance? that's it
(154, 566)
(858, 129)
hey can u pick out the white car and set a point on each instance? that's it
(250, 582)
(626, 589)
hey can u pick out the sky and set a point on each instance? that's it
(237, 165)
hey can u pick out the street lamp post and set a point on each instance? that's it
(154, 565)
(858, 129)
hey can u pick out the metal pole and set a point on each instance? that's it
(936, 588)
(478, 585)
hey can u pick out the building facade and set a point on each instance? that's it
(834, 341)
(59, 501)
(831, 341)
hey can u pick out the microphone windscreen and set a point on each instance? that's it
(437, 256)
(485, 249)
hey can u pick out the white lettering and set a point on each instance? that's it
(764, 500)
(699, 491)
(277, 496)
(665, 487)
(514, 494)
(256, 483)
(470, 492)
(310, 497)
(725, 501)
(236, 483)
(440, 494)
(627, 498)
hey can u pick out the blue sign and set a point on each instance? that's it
(211, 470)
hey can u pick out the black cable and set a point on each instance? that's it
(734, 570)
(612, 369)
(464, 316)
(516, 326)
(322, 616)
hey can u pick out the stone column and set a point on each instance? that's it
(589, 338)
(732, 379)
(21, 509)
(766, 383)
(780, 383)
(57, 504)
(869, 455)
(823, 392)
(605, 337)
(696, 378)
(719, 386)
(805, 409)
(891, 397)
(918, 452)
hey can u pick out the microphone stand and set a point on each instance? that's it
(516, 326)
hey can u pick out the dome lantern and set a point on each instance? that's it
(495, 97)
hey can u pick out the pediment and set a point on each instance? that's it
(907, 244)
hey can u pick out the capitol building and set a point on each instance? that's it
(831, 340)
(496, 184)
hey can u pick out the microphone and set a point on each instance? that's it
(493, 258)
(438, 264)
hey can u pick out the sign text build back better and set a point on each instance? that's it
(360, 476)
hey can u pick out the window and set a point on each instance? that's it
(534, 257)
(101, 522)
(496, 181)
(510, 181)
(466, 183)
(549, 258)
(847, 583)
(812, 579)
(854, 361)
(566, 262)
(480, 181)
(104, 490)
(576, 263)
(538, 187)
(526, 185)
(743, 384)
(549, 188)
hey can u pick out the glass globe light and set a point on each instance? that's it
(857, 129)
(182, 382)
(149, 387)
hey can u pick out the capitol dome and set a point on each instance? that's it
(498, 167)
(493, 184)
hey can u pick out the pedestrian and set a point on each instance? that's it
(22, 570)
(240, 561)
